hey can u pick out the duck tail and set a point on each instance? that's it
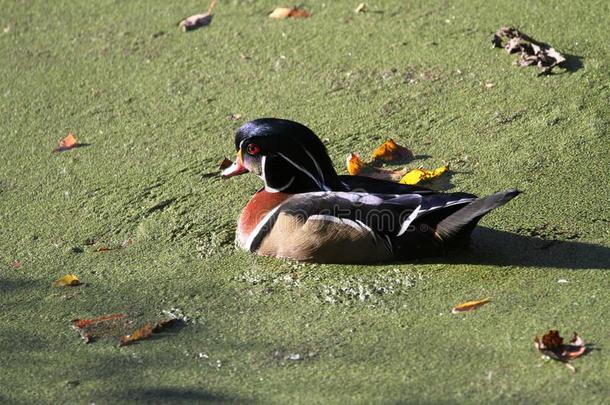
(463, 221)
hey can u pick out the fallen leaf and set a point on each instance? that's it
(390, 151)
(119, 326)
(103, 326)
(67, 280)
(362, 8)
(418, 175)
(83, 323)
(531, 52)
(198, 20)
(224, 164)
(143, 332)
(148, 329)
(235, 117)
(281, 13)
(69, 142)
(469, 306)
(356, 167)
(552, 345)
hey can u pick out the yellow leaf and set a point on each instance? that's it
(416, 176)
(470, 305)
(67, 280)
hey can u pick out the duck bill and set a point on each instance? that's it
(235, 169)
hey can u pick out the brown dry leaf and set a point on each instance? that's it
(90, 329)
(390, 151)
(531, 52)
(69, 142)
(552, 345)
(281, 13)
(69, 280)
(147, 330)
(198, 20)
(143, 332)
(356, 167)
(469, 306)
(226, 162)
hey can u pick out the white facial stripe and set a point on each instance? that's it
(269, 188)
(277, 190)
(315, 164)
(408, 221)
(316, 181)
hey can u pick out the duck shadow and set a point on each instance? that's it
(499, 248)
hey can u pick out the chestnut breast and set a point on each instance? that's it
(259, 205)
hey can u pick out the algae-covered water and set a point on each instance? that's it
(158, 109)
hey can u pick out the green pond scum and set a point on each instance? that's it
(157, 109)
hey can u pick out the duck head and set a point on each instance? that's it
(286, 155)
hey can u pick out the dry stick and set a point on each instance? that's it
(211, 7)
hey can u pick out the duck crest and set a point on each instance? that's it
(255, 210)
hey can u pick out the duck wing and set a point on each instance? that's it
(377, 186)
(349, 226)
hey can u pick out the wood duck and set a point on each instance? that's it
(307, 212)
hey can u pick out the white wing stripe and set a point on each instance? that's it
(408, 221)
(259, 227)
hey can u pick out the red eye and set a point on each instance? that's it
(253, 149)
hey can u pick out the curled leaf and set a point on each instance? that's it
(281, 13)
(418, 175)
(354, 164)
(69, 142)
(552, 345)
(197, 20)
(529, 50)
(470, 305)
(67, 280)
(224, 164)
(143, 332)
(390, 151)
